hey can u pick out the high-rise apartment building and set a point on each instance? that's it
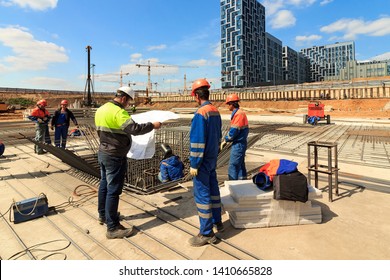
(243, 61)
(296, 67)
(327, 61)
(274, 62)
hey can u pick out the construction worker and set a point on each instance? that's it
(171, 167)
(2, 148)
(205, 138)
(41, 117)
(61, 121)
(237, 135)
(115, 128)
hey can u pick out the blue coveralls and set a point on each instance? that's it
(238, 134)
(205, 138)
(171, 169)
(61, 121)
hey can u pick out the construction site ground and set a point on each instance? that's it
(354, 226)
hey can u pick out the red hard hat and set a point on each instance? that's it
(232, 98)
(64, 102)
(42, 102)
(198, 84)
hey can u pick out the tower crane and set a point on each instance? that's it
(114, 74)
(149, 88)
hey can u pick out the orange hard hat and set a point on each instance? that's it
(198, 84)
(64, 102)
(232, 98)
(42, 102)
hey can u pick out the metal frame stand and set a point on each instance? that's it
(329, 169)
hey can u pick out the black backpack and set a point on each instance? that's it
(291, 186)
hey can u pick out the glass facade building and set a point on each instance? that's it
(274, 62)
(296, 67)
(327, 61)
(243, 52)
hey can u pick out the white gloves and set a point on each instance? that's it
(193, 171)
(223, 144)
(40, 120)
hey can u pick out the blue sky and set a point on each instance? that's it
(43, 42)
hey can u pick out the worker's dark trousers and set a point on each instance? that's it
(60, 135)
(47, 135)
(207, 199)
(112, 171)
(237, 169)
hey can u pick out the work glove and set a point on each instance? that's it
(40, 120)
(223, 144)
(45, 119)
(193, 171)
(51, 127)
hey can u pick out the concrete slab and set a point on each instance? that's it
(355, 226)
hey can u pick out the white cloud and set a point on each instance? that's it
(272, 6)
(49, 83)
(199, 62)
(135, 57)
(217, 49)
(325, 2)
(29, 53)
(282, 19)
(383, 56)
(307, 40)
(351, 28)
(279, 12)
(299, 3)
(38, 5)
(159, 47)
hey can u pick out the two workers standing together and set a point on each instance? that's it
(61, 121)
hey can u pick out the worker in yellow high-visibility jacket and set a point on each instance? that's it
(115, 127)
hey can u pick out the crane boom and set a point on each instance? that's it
(149, 89)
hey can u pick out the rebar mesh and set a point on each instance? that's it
(142, 175)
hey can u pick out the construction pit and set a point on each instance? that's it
(353, 226)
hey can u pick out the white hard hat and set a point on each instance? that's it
(127, 90)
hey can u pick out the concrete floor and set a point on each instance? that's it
(355, 225)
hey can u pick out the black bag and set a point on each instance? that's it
(292, 186)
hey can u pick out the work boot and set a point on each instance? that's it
(102, 220)
(219, 227)
(200, 240)
(119, 232)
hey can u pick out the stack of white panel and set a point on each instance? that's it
(250, 207)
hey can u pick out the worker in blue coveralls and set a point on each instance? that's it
(61, 122)
(171, 167)
(205, 138)
(237, 135)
